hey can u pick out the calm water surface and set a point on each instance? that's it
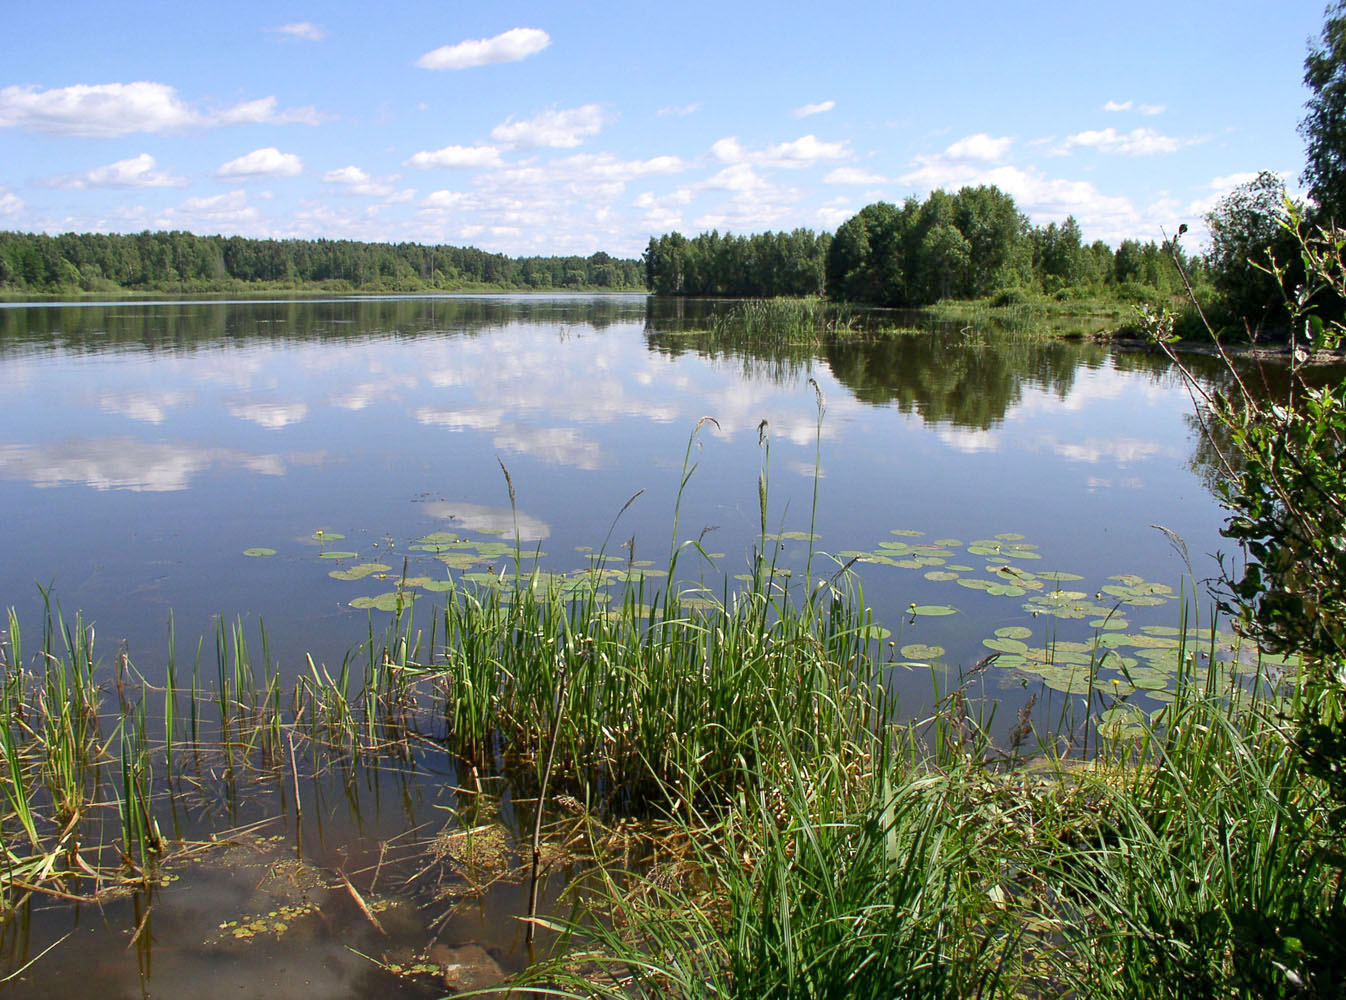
(144, 448)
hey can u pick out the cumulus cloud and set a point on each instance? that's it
(10, 203)
(511, 46)
(353, 180)
(814, 109)
(112, 109)
(1144, 109)
(305, 30)
(806, 151)
(228, 212)
(136, 172)
(557, 129)
(1137, 142)
(979, 148)
(595, 173)
(853, 175)
(261, 163)
(445, 200)
(450, 157)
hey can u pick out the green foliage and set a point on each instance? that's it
(762, 265)
(1284, 485)
(1324, 126)
(1246, 237)
(180, 261)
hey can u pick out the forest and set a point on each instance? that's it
(183, 262)
(970, 244)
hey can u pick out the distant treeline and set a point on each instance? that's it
(180, 261)
(953, 246)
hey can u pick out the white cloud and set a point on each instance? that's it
(814, 109)
(490, 520)
(1137, 142)
(586, 171)
(355, 181)
(513, 45)
(739, 177)
(979, 148)
(554, 445)
(445, 200)
(136, 172)
(1122, 450)
(112, 109)
(806, 151)
(272, 416)
(853, 175)
(1102, 216)
(123, 464)
(266, 162)
(151, 407)
(263, 111)
(306, 30)
(10, 203)
(557, 129)
(228, 212)
(477, 418)
(679, 110)
(451, 157)
(1144, 109)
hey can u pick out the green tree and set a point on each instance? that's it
(1245, 235)
(1324, 126)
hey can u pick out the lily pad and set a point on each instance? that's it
(920, 651)
(1001, 645)
(931, 610)
(907, 532)
(359, 572)
(326, 536)
(338, 554)
(1112, 624)
(258, 551)
(941, 575)
(1014, 632)
(383, 602)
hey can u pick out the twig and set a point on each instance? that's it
(369, 914)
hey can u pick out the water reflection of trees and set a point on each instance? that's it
(966, 379)
(187, 326)
(783, 366)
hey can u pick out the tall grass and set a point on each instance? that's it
(782, 322)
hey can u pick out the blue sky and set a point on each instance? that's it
(569, 128)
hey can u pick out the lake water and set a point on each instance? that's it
(147, 448)
(144, 448)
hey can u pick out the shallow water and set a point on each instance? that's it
(146, 447)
